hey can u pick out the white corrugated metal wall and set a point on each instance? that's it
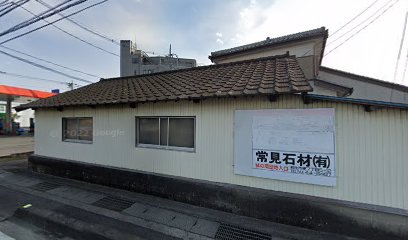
(371, 147)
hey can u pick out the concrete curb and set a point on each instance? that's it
(17, 155)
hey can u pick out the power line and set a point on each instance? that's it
(38, 28)
(4, 3)
(362, 28)
(44, 67)
(72, 35)
(44, 60)
(41, 16)
(358, 15)
(70, 85)
(49, 62)
(33, 78)
(12, 4)
(405, 68)
(81, 25)
(5, 6)
(365, 20)
(355, 17)
(400, 48)
(10, 8)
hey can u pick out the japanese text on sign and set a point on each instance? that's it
(295, 145)
(298, 163)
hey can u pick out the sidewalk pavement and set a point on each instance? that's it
(107, 213)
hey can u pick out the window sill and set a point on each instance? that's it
(180, 149)
(77, 141)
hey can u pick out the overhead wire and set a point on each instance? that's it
(5, 7)
(10, 8)
(42, 13)
(405, 68)
(3, 3)
(46, 61)
(347, 23)
(29, 77)
(400, 48)
(45, 68)
(81, 25)
(43, 26)
(355, 17)
(364, 27)
(72, 35)
(359, 24)
(49, 62)
(67, 84)
(41, 17)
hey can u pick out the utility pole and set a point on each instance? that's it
(71, 85)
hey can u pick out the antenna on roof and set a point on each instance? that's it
(134, 43)
(171, 55)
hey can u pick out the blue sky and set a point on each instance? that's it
(197, 27)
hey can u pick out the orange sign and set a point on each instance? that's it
(24, 92)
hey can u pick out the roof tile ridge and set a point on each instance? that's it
(198, 68)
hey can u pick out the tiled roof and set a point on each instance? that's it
(270, 75)
(319, 32)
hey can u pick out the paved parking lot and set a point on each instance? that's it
(13, 145)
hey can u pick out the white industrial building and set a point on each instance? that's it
(265, 132)
(135, 61)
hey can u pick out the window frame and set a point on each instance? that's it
(64, 139)
(165, 147)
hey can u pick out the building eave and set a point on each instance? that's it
(365, 79)
(308, 98)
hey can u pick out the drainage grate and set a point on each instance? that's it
(113, 203)
(229, 232)
(45, 186)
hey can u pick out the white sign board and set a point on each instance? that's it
(2, 108)
(287, 144)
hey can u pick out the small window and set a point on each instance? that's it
(148, 71)
(166, 132)
(77, 130)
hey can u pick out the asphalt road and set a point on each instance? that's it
(69, 210)
(18, 222)
(13, 227)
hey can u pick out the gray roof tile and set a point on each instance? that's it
(318, 32)
(270, 75)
